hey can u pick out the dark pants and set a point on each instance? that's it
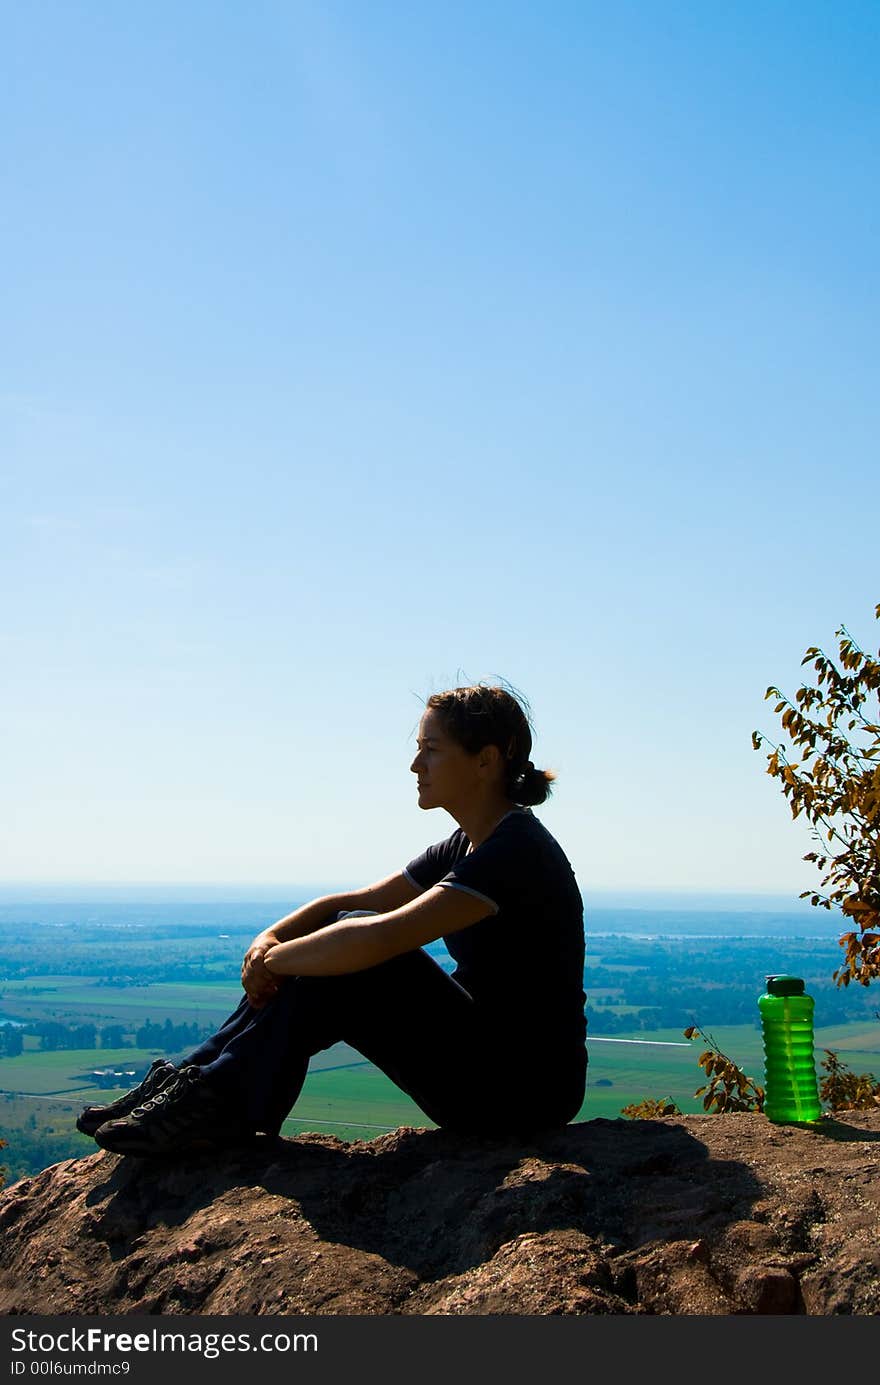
(416, 1024)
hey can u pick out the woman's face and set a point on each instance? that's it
(448, 775)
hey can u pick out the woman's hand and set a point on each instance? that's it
(258, 982)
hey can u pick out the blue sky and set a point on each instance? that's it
(353, 351)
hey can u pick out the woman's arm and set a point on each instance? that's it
(381, 897)
(355, 944)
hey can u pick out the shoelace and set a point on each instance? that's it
(170, 1092)
(154, 1079)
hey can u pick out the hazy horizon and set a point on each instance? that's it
(246, 892)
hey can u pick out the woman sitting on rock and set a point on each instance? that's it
(496, 1048)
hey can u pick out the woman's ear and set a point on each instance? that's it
(490, 758)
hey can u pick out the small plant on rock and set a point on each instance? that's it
(844, 1090)
(651, 1108)
(728, 1088)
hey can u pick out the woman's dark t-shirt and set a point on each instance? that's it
(524, 964)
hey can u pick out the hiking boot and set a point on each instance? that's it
(187, 1114)
(93, 1117)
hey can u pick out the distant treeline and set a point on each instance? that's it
(670, 983)
(148, 973)
(120, 957)
(54, 1035)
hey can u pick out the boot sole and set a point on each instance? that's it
(197, 1145)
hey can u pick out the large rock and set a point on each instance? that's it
(694, 1214)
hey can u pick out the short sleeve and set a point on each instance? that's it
(435, 861)
(499, 871)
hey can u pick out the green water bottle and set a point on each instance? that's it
(790, 1093)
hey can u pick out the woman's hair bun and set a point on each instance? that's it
(532, 786)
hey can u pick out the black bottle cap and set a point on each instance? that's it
(785, 985)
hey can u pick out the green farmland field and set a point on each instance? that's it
(343, 1089)
(43, 1074)
(77, 999)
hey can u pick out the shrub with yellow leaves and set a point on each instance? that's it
(834, 727)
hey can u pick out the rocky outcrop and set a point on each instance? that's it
(685, 1215)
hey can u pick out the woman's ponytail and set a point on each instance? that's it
(531, 786)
